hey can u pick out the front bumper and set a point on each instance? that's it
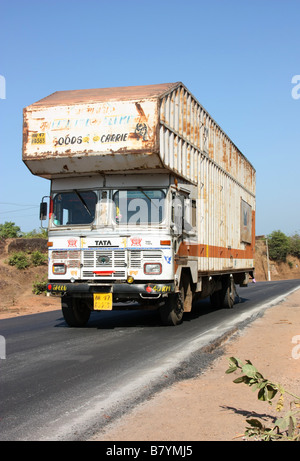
(119, 290)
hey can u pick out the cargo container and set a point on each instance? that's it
(151, 204)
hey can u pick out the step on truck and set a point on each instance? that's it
(151, 205)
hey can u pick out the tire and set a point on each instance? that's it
(75, 312)
(171, 313)
(187, 294)
(229, 295)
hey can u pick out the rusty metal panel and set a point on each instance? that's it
(129, 93)
(94, 131)
(90, 132)
(187, 130)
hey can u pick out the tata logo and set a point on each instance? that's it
(103, 259)
(103, 243)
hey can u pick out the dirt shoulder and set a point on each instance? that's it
(211, 407)
(16, 285)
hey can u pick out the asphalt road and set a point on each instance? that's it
(62, 383)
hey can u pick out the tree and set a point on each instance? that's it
(295, 245)
(9, 230)
(279, 245)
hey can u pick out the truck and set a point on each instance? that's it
(151, 205)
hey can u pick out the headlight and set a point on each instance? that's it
(59, 269)
(152, 268)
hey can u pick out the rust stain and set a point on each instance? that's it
(141, 113)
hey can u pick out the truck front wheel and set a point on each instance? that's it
(75, 312)
(171, 313)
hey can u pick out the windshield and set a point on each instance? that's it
(142, 206)
(74, 208)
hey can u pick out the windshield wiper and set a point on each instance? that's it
(83, 202)
(149, 198)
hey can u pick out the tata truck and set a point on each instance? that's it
(151, 205)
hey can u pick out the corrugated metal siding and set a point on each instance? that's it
(218, 220)
(180, 133)
(196, 148)
(187, 130)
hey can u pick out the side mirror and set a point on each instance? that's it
(43, 211)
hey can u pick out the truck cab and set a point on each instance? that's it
(113, 241)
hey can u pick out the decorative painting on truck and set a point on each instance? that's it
(97, 127)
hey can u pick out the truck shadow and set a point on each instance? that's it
(124, 319)
(138, 318)
(204, 307)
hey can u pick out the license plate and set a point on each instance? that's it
(38, 138)
(103, 301)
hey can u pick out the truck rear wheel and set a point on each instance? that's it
(171, 313)
(75, 312)
(228, 294)
(225, 297)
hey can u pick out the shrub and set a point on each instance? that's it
(39, 286)
(43, 233)
(19, 259)
(286, 428)
(22, 260)
(38, 258)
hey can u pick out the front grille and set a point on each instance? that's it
(103, 260)
(106, 260)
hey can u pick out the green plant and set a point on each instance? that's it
(38, 258)
(19, 259)
(43, 233)
(279, 245)
(295, 245)
(39, 286)
(22, 260)
(284, 428)
(9, 230)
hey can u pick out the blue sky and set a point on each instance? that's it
(237, 57)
